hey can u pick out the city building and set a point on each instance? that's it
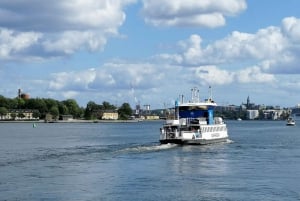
(252, 114)
(20, 114)
(109, 115)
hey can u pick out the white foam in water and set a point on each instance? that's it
(229, 141)
(159, 147)
(145, 148)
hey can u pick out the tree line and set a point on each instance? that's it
(43, 106)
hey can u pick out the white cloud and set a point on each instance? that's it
(12, 42)
(153, 84)
(193, 49)
(71, 41)
(254, 75)
(190, 12)
(265, 44)
(211, 75)
(70, 94)
(62, 27)
(72, 80)
(215, 76)
(168, 58)
(111, 75)
(59, 16)
(272, 49)
(291, 27)
(112, 81)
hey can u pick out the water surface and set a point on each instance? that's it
(124, 161)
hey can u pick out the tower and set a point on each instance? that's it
(19, 93)
(248, 103)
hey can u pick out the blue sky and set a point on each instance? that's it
(151, 51)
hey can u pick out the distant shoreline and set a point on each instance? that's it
(75, 121)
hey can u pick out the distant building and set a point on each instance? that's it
(227, 108)
(67, 117)
(151, 117)
(272, 114)
(296, 111)
(20, 114)
(50, 118)
(109, 115)
(23, 95)
(147, 109)
(252, 114)
(248, 105)
(137, 111)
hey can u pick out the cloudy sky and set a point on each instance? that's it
(151, 51)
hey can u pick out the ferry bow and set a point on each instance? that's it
(194, 123)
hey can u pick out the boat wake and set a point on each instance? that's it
(83, 152)
(147, 148)
(229, 141)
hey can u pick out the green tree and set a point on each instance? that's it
(21, 103)
(4, 102)
(3, 111)
(243, 114)
(38, 104)
(73, 108)
(125, 111)
(13, 116)
(108, 106)
(90, 110)
(13, 103)
(63, 109)
(36, 114)
(50, 103)
(54, 112)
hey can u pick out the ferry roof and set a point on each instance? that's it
(198, 104)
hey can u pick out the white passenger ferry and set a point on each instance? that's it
(194, 123)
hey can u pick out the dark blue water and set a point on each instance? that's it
(123, 161)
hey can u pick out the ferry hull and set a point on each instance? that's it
(193, 142)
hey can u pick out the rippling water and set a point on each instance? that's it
(124, 161)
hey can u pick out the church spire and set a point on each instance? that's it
(248, 102)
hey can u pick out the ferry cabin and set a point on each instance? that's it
(195, 124)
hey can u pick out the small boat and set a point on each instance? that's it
(194, 123)
(290, 122)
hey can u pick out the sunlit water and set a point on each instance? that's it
(124, 161)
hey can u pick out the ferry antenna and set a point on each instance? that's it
(210, 93)
(195, 95)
